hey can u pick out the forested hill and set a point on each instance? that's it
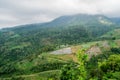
(116, 20)
(21, 41)
(79, 19)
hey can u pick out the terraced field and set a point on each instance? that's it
(63, 55)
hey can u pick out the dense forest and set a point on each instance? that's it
(26, 42)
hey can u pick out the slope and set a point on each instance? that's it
(27, 41)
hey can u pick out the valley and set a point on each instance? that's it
(43, 51)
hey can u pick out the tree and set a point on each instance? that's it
(75, 72)
(111, 67)
(82, 58)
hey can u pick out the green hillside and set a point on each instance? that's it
(37, 38)
(113, 34)
(25, 51)
(35, 67)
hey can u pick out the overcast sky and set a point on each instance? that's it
(18, 12)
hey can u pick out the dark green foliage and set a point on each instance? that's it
(101, 67)
(115, 50)
(19, 43)
(17, 78)
(69, 72)
(48, 66)
(75, 71)
(111, 67)
(6, 70)
(109, 64)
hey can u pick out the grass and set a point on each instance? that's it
(24, 65)
(113, 44)
(88, 44)
(46, 75)
(20, 46)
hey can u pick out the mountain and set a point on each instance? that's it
(114, 34)
(28, 41)
(71, 20)
(116, 20)
(37, 38)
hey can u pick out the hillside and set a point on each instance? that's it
(33, 67)
(114, 34)
(116, 20)
(35, 48)
(66, 30)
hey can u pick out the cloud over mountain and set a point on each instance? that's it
(17, 12)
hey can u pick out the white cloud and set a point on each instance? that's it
(16, 12)
(6, 17)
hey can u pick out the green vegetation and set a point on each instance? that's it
(114, 34)
(31, 39)
(70, 70)
(25, 50)
(102, 67)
